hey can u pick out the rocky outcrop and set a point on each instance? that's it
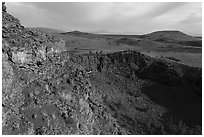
(47, 91)
(43, 91)
(133, 64)
(3, 7)
(128, 76)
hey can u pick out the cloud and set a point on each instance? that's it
(28, 14)
(164, 8)
(117, 17)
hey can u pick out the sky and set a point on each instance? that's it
(114, 17)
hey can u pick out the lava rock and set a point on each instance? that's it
(3, 7)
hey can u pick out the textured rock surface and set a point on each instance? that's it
(3, 7)
(144, 94)
(133, 64)
(43, 91)
(47, 91)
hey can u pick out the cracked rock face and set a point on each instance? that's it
(45, 91)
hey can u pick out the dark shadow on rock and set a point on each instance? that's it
(182, 103)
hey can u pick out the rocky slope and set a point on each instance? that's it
(144, 94)
(47, 90)
(43, 91)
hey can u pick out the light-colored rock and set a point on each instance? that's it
(21, 57)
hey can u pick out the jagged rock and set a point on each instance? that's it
(47, 91)
(3, 7)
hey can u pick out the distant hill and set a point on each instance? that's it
(90, 35)
(174, 35)
(48, 30)
(75, 32)
(81, 34)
